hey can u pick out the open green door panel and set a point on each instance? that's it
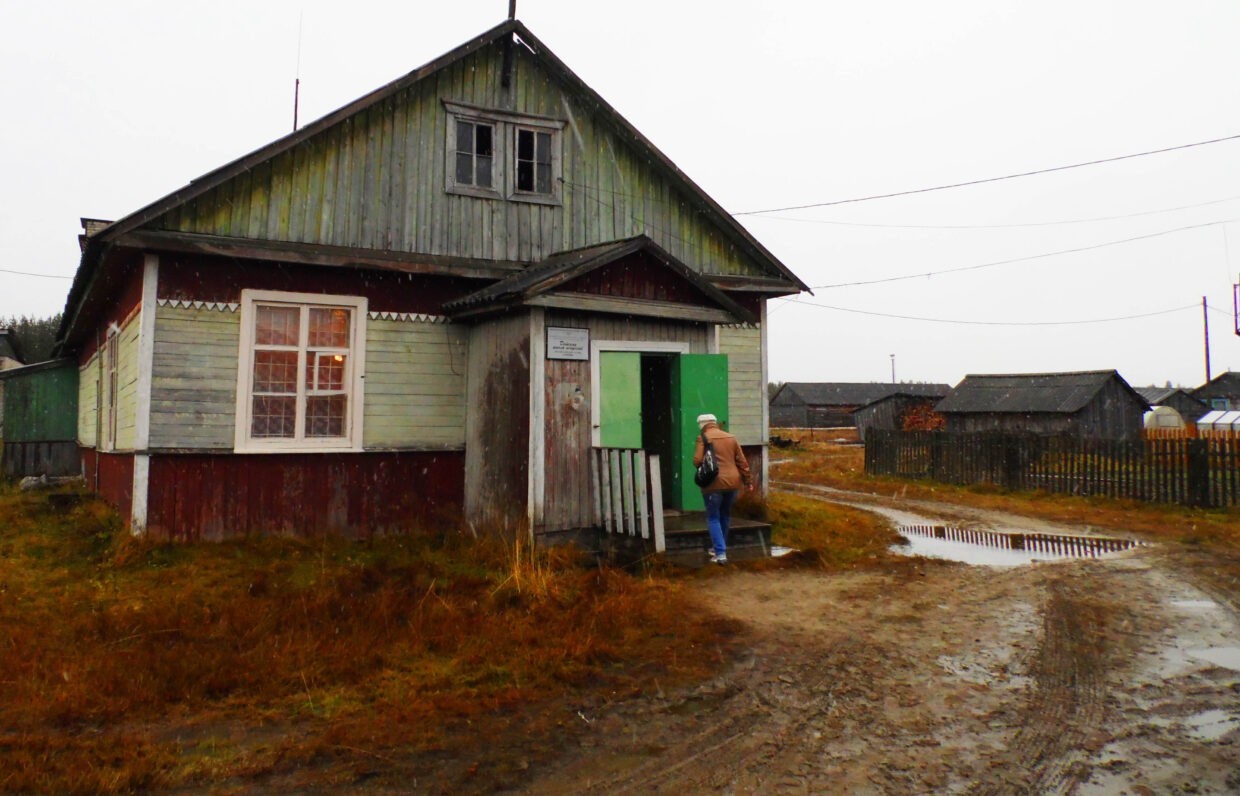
(620, 399)
(699, 386)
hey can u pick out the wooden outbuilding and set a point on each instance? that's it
(1095, 404)
(445, 298)
(1221, 392)
(1184, 403)
(892, 411)
(40, 414)
(831, 404)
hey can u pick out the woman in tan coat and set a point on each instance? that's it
(721, 493)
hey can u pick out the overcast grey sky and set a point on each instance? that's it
(109, 106)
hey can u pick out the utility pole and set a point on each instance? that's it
(1205, 323)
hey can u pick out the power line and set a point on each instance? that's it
(28, 273)
(1003, 226)
(990, 179)
(1023, 259)
(991, 323)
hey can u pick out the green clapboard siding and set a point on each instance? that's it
(746, 390)
(415, 384)
(41, 405)
(376, 180)
(88, 393)
(194, 378)
(127, 385)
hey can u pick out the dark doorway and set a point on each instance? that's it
(657, 429)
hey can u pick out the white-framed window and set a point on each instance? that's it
(500, 155)
(300, 372)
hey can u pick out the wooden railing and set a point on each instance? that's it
(628, 494)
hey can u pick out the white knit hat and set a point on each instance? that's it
(706, 418)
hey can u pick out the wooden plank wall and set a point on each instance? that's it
(88, 408)
(377, 181)
(194, 377)
(498, 425)
(415, 384)
(746, 390)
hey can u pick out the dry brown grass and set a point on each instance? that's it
(129, 666)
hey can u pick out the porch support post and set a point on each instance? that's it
(142, 420)
(536, 495)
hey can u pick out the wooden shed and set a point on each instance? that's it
(891, 411)
(1221, 392)
(442, 298)
(831, 404)
(1096, 404)
(40, 419)
(1182, 401)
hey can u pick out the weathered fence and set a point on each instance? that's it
(1194, 472)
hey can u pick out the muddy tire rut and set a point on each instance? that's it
(1051, 678)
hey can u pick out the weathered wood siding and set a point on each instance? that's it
(746, 390)
(415, 384)
(194, 377)
(376, 180)
(127, 384)
(498, 427)
(88, 407)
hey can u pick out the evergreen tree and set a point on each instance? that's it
(35, 336)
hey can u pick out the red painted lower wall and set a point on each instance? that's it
(203, 496)
(110, 475)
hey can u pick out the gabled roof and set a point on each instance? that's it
(9, 346)
(851, 393)
(1049, 393)
(933, 392)
(1226, 383)
(97, 245)
(562, 268)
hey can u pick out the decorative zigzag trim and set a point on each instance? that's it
(741, 325)
(182, 304)
(408, 317)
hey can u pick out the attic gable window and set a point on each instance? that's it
(299, 377)
(496, 154)
(533, 161)
(474, 153)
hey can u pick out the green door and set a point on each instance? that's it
(699, 385)
(620, 399)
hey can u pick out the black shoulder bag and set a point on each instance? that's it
(708, 470)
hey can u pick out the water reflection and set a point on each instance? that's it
(991, 548)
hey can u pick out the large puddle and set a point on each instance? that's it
(993, 548)
(1006, 545)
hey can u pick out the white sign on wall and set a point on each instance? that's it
(566, 343)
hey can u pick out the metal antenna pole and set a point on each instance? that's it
(512, 9)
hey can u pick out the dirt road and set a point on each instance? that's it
(1103, 676)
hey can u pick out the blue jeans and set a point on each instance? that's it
(719, 518)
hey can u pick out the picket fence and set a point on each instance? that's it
(1201, 471)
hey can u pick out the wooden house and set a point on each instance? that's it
(831, 404)
(40, 419)
(1221, 392)
(436, 300)
(891, 411)
(1183, 402)
(1095, 404)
